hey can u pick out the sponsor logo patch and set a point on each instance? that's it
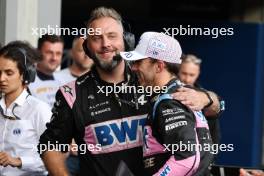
(175, 125)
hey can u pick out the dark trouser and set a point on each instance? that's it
(73, 165)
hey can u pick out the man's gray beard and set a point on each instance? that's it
(107, 67)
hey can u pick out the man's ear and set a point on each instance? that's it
(159, 66)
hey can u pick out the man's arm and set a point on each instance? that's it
(59, 133)
(54, 162)
(177, 128)
(198, 100)
(214, 109)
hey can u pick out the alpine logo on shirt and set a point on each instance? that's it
(67, 89)
(116, 135)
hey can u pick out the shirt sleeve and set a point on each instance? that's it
(176, 126)
(32, 163)
(42, 118)
(42, 115)
(60, 129)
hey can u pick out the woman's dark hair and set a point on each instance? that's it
(18, 51)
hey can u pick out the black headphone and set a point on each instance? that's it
(129, 41)
(29, 70)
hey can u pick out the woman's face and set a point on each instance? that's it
(10, 78)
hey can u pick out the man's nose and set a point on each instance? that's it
(56, 56)
(188, 80)
(2, 77)
(52, 56)
(106, 42)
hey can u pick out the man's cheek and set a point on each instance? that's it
(120, 46)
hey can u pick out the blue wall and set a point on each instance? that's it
(233, 67)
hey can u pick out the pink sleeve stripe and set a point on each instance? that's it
(69, 93)
(185, 167)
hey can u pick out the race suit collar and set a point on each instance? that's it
(172, 85)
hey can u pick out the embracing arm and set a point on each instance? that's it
(214, 109)
(199, 100)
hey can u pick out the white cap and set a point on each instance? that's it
(155, 45)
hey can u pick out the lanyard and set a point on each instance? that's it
(10, 117)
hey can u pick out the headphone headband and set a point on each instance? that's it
(30, 71)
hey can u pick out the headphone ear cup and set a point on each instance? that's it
(29, 75)
(129, 40)
(86, 50)
(25, 77)
(32, 73)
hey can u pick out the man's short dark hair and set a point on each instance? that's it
(49, 38)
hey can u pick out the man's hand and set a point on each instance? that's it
(6, 159)
(195, 100)
(243, 172)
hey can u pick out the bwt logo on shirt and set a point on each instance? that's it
(165, 171)
(119, 131)
(116, 135)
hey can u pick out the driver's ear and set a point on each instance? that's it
(159, 66)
